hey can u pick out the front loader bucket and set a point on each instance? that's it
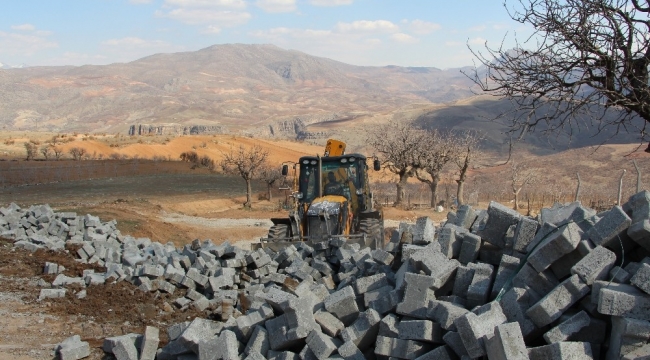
(279, 244)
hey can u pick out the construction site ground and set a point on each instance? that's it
(30, 329)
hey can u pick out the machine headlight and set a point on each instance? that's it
(298, 195)
(353, 159)
(314, 162)
(344, 160)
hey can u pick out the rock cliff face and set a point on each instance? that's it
(176, 129)
(297, 127)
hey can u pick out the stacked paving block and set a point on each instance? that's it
(570, 283)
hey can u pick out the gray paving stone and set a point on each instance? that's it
(624, 303)
(564, 330)
(499, 219)
(627, 334)
(507, 269)
(364, 330)
(507, 343)
(595, 266)
(320, 344)
(556, 245)
(418, 293)
(149, 344)
(420, 330)
(73, 348)
(474, 328)
(555, 303)
(258, 342)
(562, 350)
(445, 313)
(469, 248)
(641, 278)
(606, 230)
(403, 349)
(343, 305)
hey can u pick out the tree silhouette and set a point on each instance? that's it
(245, 163)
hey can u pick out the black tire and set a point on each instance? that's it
(374, 230)
(279, 231)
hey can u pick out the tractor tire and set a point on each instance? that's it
(374, 230)
(279, 231)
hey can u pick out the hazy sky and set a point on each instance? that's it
(359, 32)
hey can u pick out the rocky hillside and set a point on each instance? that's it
(235, 86)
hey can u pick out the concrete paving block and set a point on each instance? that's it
(277, 330)
(320, 344)
(524, 233)
(364, 330)
(258, 342)
(283, 355)
(349, 351)
(451, 239)
(507, 269)
(421, 330)
(556, 245)
(388, 326)
(469, 248)
(562, 350)
(606, 230)
(436, 264)
(149, 345)
(463, 280)
(418, 293)
(253, 355)
(478, 291)
(514, 303)
(641, 278)
(640, 233)
(453, 340)
(439, 353)
(624, 303)
(619, 275)
(642, 353)
(329, 324)
(73, 348)
(275, 297)
(445, 313)
(369, 283)
(382, 300)
(383, 257)
(398, 348)
(499, 219)
(227, 346)
(473, 329)
(300, 318)
(562, 267)
(199, 329)
(595, 266)
(465, 217)
(175, 330)
(507, 343)
(541, 282)
(564, 330)
(124, 349)
(424, 231)
(51, 294)
(627, 334)
(343, 305)
(555, 303)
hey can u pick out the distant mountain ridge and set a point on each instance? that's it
(234, 85)
(260, 90)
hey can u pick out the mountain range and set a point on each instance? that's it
(256, 89)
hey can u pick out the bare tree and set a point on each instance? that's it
(58, 152)
(270, 174)
(520, 176)
(436, 152)
(467, 151)
(30, 150)
(398, 143)
(46, 150)
(245, 163)
(585, 57)
(77, 153)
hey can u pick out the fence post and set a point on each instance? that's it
(620, 188)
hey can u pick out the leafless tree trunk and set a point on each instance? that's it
(270, 174)
(467, 143)
(520, 176)
(245, 163)
(398, 143)
(436, 152)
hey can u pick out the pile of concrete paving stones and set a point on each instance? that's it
(569, 284)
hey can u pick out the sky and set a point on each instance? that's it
(429, 33)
